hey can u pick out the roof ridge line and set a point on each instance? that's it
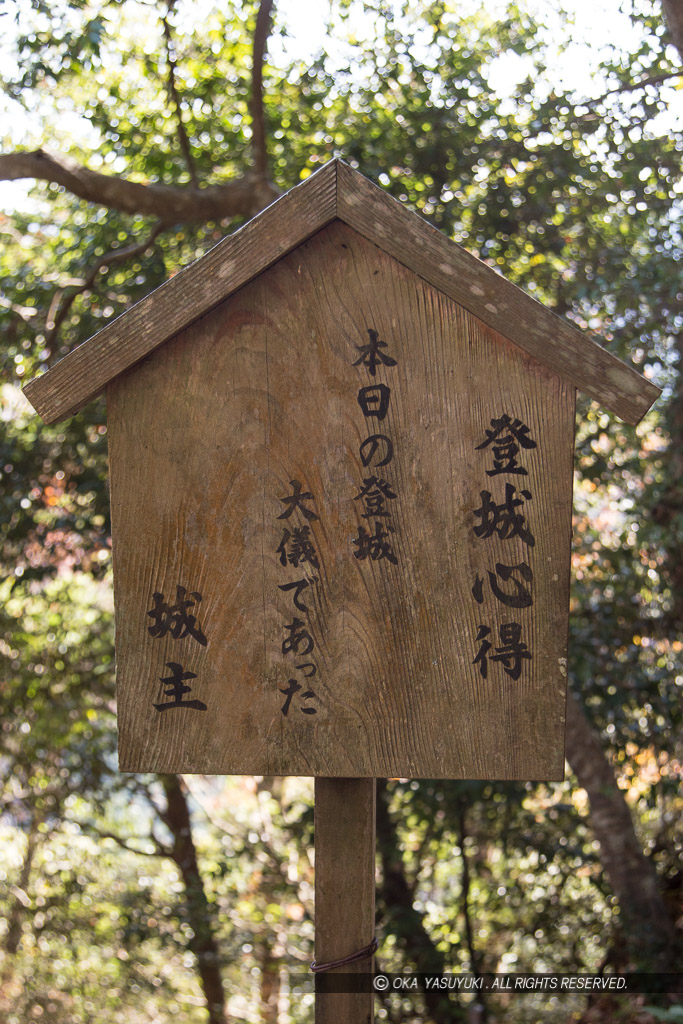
(337, 191)
(505, 307)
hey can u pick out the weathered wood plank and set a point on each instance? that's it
(496, 301)
(205, 438)
(344, 891)
(84, 373)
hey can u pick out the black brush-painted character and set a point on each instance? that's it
(513, 650)
(371, 356)
(376, 444)
(375, 546)
(175, 618)
(375, 493)
(519, 598)
(506, 437)
(298, 637)
(374, 400)
(503, 519)
(297, 586)
(295, 500)
(175, 688)
(296, 548)
(289, 691)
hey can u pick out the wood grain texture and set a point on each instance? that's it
(83, 374)
(344, 892)
(205, 437)
(496, 301)
(337, 190)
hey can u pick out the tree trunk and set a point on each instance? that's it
(668, 511)
(203, 942)
(19, 892)
(646, 923)
(270, 983)
(673, 16)
(397, 897)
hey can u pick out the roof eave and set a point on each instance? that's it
(339, 192)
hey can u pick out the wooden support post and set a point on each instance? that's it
(344, 890)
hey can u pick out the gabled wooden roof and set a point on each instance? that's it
(337, 192)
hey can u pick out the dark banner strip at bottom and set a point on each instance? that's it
(627, 984)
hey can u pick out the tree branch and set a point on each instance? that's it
(159, 850)
(60, 307)
(258, 139)
(245, 196)
(23, 312)
(632, 87)
(174, 99)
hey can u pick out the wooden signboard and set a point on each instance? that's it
(341, 470)
(341, 508)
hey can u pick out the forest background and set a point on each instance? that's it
(144, 131)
